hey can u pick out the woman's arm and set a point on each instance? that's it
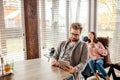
(101, 50)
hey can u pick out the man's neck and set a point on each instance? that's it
(74, 40)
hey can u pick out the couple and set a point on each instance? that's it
(74, 51)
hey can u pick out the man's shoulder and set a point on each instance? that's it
(83, 43)
(80, 42)
(63, 42)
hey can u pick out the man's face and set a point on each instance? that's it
(74, 34)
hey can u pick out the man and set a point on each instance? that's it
(72, 50)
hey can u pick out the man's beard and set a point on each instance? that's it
(73, 39)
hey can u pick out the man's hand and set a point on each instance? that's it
(72, 69)
(69, 69)
(55, 63)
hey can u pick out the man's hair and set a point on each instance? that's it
(76, 26)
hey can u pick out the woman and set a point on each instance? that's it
(96, 53)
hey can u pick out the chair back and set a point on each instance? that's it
(105, 42)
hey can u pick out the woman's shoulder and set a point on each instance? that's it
(98, 42)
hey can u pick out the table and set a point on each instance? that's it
(36, 69)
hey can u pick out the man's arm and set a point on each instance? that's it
(84, 58)
(57, 51)
(56, 55)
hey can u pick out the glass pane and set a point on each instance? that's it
(108, 25)
(12, 31)
(79, 13)
(106, 18)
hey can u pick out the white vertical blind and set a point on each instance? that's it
(52, 23)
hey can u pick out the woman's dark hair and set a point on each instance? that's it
(95, 38)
